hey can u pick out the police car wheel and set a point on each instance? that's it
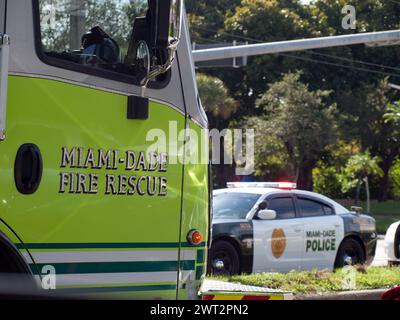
(223, 259)
(393, 263)
(350, 253)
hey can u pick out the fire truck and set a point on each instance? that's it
(87, 88)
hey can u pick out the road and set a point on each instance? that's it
(380, 257)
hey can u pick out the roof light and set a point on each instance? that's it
(279, 185)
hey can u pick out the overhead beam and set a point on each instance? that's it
(370, 38)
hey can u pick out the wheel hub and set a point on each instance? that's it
(218, 264)
(348, 260)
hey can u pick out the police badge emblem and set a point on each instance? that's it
(278, 242)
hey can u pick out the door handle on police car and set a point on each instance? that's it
(297, 229)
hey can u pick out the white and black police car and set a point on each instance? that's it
(273, 227)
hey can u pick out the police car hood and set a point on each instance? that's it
(224, 221)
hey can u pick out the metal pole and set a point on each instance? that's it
(77, 23)
(371, 38)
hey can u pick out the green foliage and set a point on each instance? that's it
(395, 179)
(296, 128)
(327, 181)
(311, 282)
(215, 97)
(359, 167)
(393, 112)
(366, 107)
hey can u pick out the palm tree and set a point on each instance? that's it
(359, 167)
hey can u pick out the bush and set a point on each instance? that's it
(326, 182)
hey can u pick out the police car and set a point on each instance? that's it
(392, 244)
(273, 227)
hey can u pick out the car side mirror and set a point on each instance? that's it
(266, 214)
(357, 210)
(262, 206)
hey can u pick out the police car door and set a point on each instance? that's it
(278, 243)
(323, 230)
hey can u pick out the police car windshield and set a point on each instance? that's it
(233, 205)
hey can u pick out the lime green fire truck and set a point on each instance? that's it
(82, 198)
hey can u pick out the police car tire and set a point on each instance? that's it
(227, 252)
(346, 246)
(393, 263)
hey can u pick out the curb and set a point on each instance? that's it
(344, 295)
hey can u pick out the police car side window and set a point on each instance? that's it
(284, 207)
(328, 210)
(310, 208)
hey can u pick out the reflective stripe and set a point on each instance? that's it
(114, 278)
(108, 256)
(117, 267)
(107, 245)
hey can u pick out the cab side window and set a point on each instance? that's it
(311, 208)
(92, 34)
(284, 207)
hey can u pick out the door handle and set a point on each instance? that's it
(28, 168)
(297, 230)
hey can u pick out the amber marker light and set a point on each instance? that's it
(195, 237)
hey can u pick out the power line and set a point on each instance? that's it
(341, 65)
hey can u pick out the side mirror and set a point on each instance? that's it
(167, 23)
(166, 18)
(262, 206)
(267, 214)
(357, 210)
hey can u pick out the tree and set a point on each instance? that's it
(393, 112)
(359, 94)
(215, 99)
(380, 137)
(219, 107)
(358, 169)
(295, 130)
(207, 18)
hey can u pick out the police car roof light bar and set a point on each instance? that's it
(279, 185)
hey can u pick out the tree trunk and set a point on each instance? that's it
(357, 202)
(305, 179)
(368, 195)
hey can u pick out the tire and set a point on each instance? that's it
(224, 251)
(349, 248)
(393, 264)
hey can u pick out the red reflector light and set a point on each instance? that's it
(195, 237)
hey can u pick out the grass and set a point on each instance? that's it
(385, 213)
(311, 282)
